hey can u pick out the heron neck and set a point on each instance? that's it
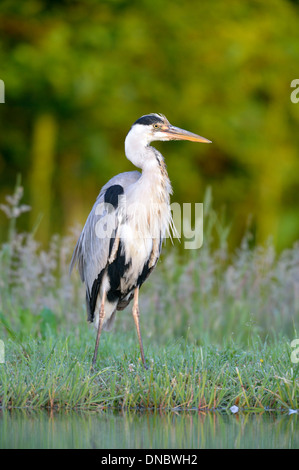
(154, 179)
(152, 191)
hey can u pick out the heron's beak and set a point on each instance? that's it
(175, 133)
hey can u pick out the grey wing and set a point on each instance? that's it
(94, 244)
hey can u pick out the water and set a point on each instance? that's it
(111, 430)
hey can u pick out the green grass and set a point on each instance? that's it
(54, 372)
(216, 326)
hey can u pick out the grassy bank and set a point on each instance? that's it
(217, 329)
(54, 372)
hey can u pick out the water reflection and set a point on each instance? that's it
(111, 430)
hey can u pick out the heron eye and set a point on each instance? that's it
(156, 126)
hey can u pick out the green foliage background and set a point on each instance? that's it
(78, 74)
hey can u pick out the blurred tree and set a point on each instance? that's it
(77, 74)
(42, 167)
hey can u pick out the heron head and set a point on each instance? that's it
(154, 127)
(150, 128)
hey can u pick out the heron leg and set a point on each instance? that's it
(100, 327)
(135, 312)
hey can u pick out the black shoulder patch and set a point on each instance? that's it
(148, 119)
(112, 193)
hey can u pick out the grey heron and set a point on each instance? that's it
(121, 241)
